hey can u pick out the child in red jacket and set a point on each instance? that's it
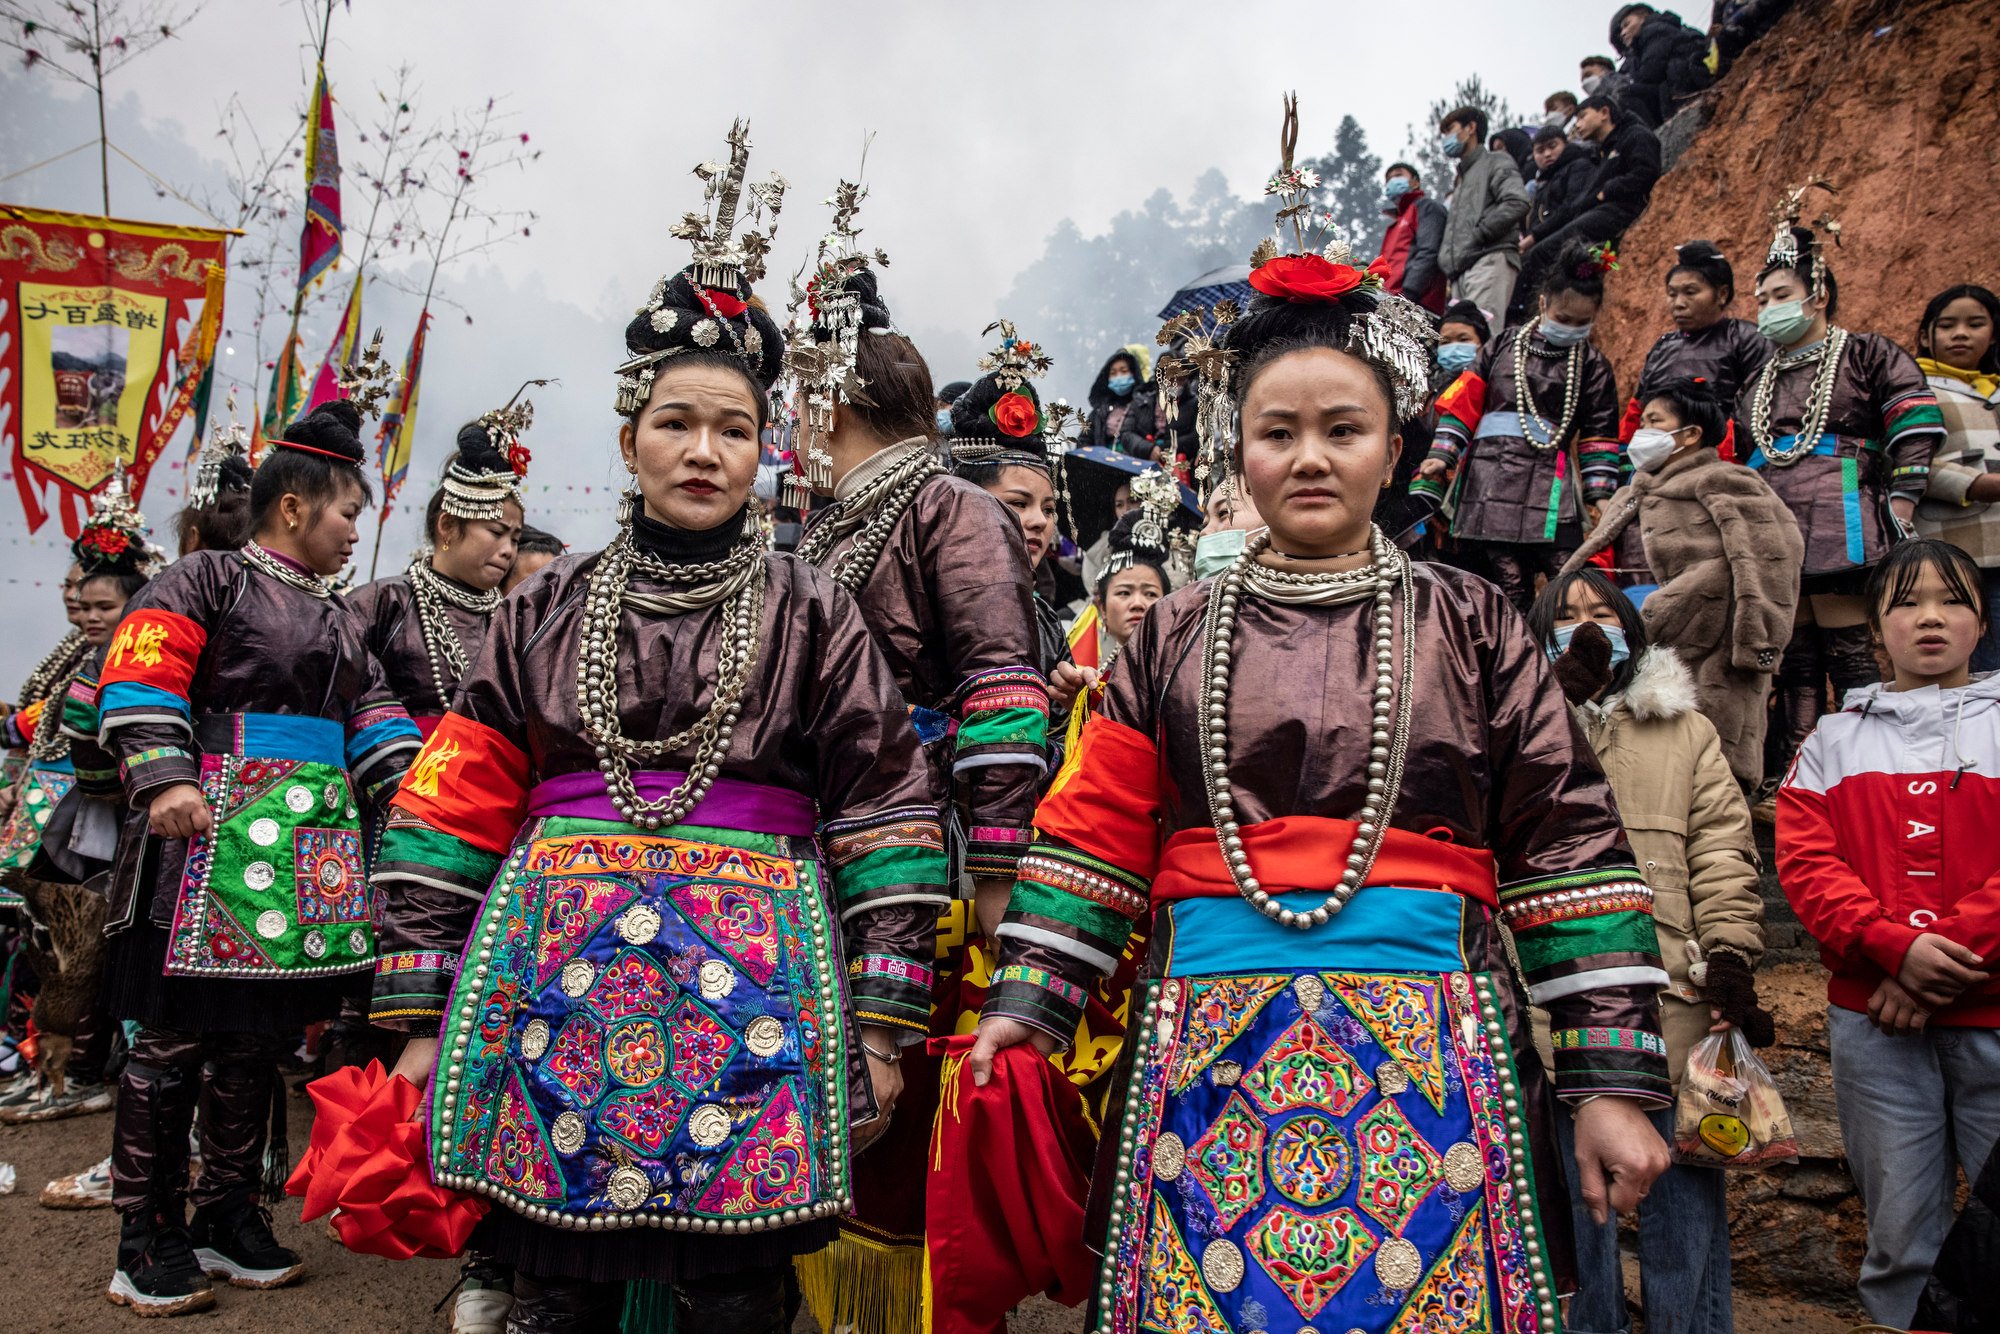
(1889, 852)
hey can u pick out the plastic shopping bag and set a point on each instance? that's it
(1729, 1113)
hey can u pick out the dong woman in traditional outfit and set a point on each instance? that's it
(67, 952)
(1842, 425)
(1532, 430)
(1706, 343)
(249, 726)
(669, 871)
(426, 624)
(1332, 1115)
(940, 570)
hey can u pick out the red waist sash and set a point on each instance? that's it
(1309, 852)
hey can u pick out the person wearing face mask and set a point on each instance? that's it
(1958, 350)
(1409, 256)
(1725, 553)
(1706, 343)
(1843, 426)
(1558, 110)
(1311, 776)
(1122, 405)
(249, 725)
(1599, 75)
(1228, 520)
(1628, 165)
(1479, 254)
(1690, 829)
(710, 727)
(1531, 431)
(946, 396)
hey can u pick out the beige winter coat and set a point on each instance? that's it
(1690, 830)
(1726, 554)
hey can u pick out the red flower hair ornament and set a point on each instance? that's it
(1311, 277)
(1015, 414)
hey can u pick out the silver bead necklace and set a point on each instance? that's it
(431, 591)
(737, 581)
(48, 744)
(1819, 399)
(874, 511)
(305, 582)
(1525, 400)
(58, 666)
(1389, 736)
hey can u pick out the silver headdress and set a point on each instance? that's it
(491, 460)
(726, 262)
(367, 382)
(828, 312)
(224, 443)
(1788, 218)
(114, 537)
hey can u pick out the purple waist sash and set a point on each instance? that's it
(728, 804)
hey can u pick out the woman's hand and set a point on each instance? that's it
(179, 812)
(1433, 469)
(1895, 1012)
(419, 1058)
(997, 1033)
(1068, 681)
(989, 905)
(1937, 968)
(1618, 1155)
(885, 1079)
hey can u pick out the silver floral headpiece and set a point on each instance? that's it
(1790, 213)
(479, 493)
(115, 533)
(224, 443)
(824, 349)
(368, 381)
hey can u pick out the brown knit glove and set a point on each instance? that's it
(1584, 669)
(1732, 988)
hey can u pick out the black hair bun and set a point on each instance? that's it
(685, 319)
(477, 453)
(333, 428)
(863, 287)
(1277, 319)
(969, 420)
(234, 474)
(1699, 252)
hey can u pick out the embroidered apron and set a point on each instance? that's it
(276, 889)
(649, 1029)
(42, 785)
(1334, 1144)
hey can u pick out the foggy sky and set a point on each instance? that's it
(992, 122)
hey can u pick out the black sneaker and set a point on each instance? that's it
(157, 1272)
(234, 1241)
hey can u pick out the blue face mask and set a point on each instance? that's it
(1456, 357)
(1396, 188)
(1557, 334)
(1451, 145)
(1614, 633)
(1120, 385)
(1215, 552)
(944, 421)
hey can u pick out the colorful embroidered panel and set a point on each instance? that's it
(1322, 1149)
(35, 800)
(276, 889)
(647, 1031)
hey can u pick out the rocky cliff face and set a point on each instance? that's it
(1897, 103)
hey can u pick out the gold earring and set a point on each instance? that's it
(446, 547)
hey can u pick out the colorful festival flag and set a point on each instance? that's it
(286, 397)
(319, 247)
(399, 426)
(108, 326)
(326, 385)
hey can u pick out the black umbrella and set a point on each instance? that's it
(1231, 282)
(1094, 474)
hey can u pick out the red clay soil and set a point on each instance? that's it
(1898, 104)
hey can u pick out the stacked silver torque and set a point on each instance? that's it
(1819, 400)
(1389, 734)
(442, 646)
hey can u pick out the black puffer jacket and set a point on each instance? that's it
(1663, 68)
(1135, 433)
(1961, 1295)
(1560, 190)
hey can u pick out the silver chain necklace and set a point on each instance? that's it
(431, 591)
(1388, 741)
(874, 511)
(738, 581)
(285, 574)
(1525, 400)
(59, 665)
(1819, 399)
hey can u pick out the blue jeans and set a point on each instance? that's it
(1912, 1111)
(1683, 1251)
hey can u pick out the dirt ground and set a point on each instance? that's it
(53, 1266)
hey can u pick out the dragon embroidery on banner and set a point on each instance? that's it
(55, 254)
(170, 261)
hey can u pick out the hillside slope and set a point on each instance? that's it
(1905, 121)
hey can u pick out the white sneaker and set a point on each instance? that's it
(88, 1189)
(481, 1310)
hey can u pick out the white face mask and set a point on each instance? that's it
(1650, 448)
